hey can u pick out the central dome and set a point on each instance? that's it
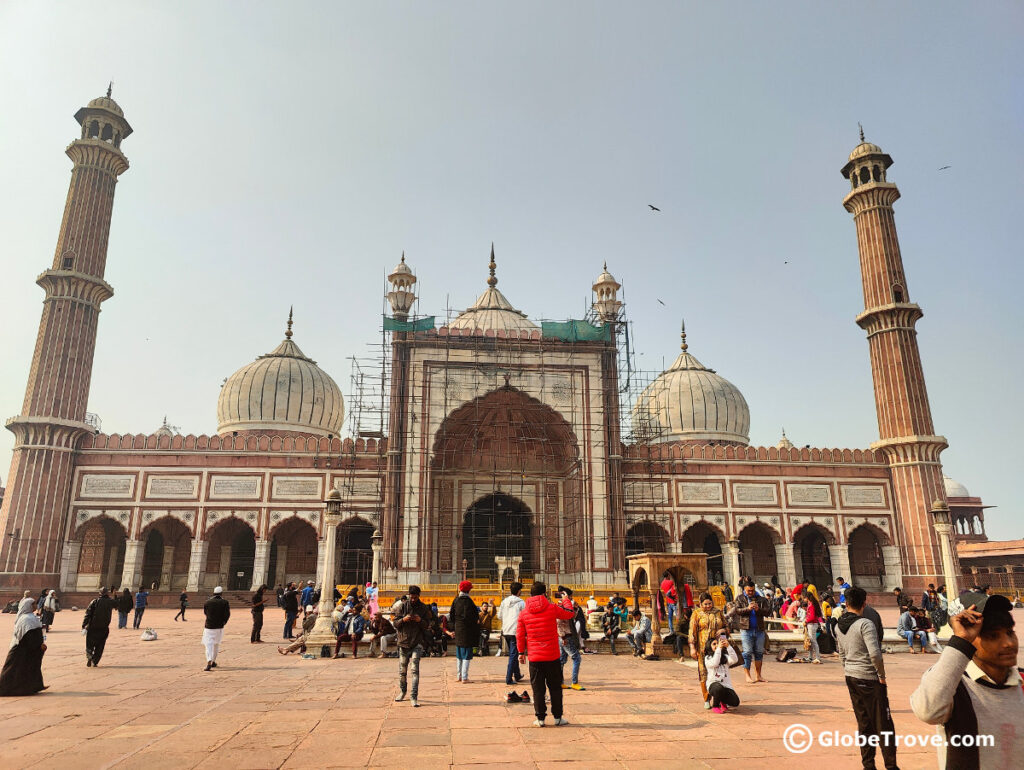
(492, 311)
(282, 391)
(689, 402)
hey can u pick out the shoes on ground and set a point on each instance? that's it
(538, 722)
(88, 662)
(578, 686)
(817, 660)
(415, 703)
(209, 667)
(513, 697)
(213, 663)
(520, 678)
(400, 697)
(559, 722)
(525, 697)
(707, 704)
(565, 686)
(718, 709)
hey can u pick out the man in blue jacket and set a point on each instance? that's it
(141, 600)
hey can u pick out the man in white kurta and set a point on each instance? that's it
(217, 612)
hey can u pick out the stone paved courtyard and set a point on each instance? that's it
(150, 705)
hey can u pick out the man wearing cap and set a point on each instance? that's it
(975, 689)
(217, 613)
(466, 619)
(307, 594)
(411, 619)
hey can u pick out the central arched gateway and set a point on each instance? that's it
(506, 482)
(497, 525)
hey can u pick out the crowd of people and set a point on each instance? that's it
(974, 686)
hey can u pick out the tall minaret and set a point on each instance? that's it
(907, 436)
(52, 419)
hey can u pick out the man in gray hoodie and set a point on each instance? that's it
(861, 653)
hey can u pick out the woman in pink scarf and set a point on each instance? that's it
(371, 598)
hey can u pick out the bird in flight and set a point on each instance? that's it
(653, 207)
(943, 168)
(660, 301)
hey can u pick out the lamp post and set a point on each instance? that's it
(944, 528)
(376, 543)
(322, 634)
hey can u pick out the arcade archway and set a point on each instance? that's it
(165, 554)
(814, 564)
(232, 555)
(703, 538)
(354, 549)
(757, 552)
(101, 559)
(867, 562)
(646, 537)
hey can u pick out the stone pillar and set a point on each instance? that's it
(224, 568)
(167, 568)
(322, 634)
(282, 565)
(69, 556)
(946, 549)
(731, 563)
(111, 574)
(131, 577)
(786, 564)
(261, 564)
(197, 564)
(893, 567)
(840, 558)
(747, 567)
(321, 554)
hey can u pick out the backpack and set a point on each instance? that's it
(786, 655)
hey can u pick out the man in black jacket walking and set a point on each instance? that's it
(97, 627)
(412, 625)
(217, 613)
(290, 602)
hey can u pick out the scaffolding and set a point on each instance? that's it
(504, 447)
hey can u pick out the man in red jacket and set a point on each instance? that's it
(537, 639)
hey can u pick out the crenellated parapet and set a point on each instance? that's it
(312, 445)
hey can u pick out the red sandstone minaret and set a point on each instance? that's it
(907, 436)
(52, 419)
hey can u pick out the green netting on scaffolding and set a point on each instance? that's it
(419, 325)
(575, 331)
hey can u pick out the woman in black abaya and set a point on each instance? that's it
(23, 670)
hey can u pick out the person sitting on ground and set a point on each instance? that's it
(383, 634)
(718, 656)
(353, 624)
(299, 643)
(975, 687)
(924, 625)
(611, 627)
(907, 628)
(640, 634)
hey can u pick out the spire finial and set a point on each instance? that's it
(862, 140)
(403, 256)
(492, 281)
(606, 265)
(110, 87)
(682, 336)
(288, 332)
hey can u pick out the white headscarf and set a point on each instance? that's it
(50, 602)
(25, 622)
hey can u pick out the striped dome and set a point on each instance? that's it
(281, 391)
(689, 402)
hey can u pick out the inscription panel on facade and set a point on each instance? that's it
(697, 492)
(646, 492)
(755, 494)
(172, 486)
(108, 485)
(809, 494)
(297, 487)
(862, 497)
(235, 487)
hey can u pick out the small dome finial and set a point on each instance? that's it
(606, 265)
(862, 139)
(492, 281)
(403, 256)
(110, 87)
(682, 336)
(288, 331)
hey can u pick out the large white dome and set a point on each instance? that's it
(281, 391)
(492, 312)
(954, 488)
(689, 402)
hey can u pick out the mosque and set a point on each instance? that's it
(508, 446)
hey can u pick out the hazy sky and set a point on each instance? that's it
(286, 153)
